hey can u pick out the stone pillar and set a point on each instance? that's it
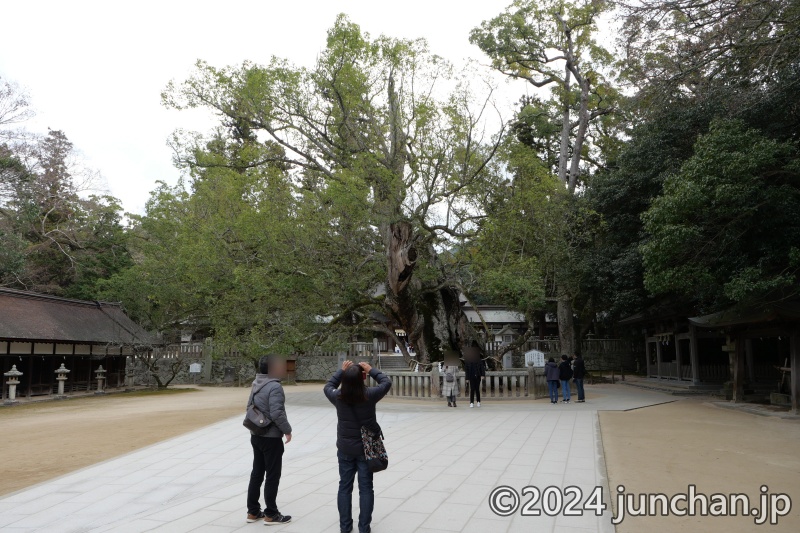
(13, 380)
(694, 356)
(529, 377)
(101, 378)
(508, 361)
(130, 372)
(61, 377)
(208, 351)
(647, 354)
(436, 390)
(678, 358)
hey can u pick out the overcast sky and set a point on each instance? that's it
(96, 69)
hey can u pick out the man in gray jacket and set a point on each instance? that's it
(269, 399)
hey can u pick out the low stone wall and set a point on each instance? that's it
(598, 354)
(321, 367)
(597, 362)
(225, 371)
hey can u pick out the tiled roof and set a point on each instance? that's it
(40, 317)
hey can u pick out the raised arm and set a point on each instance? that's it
(382, 388)
(332, 385)
(334, 381)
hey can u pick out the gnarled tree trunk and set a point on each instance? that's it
(432, 317)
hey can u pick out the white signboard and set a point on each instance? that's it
(195, 368)
(534, 358)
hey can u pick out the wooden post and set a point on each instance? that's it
(794, 376)
(647, 354)
(694, 356)
(748, 356)
(678, 358)
(30, 374)
(737, 367)
(658, 358)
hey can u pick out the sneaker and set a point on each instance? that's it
(276, 520)
(479, 404)
(472, 405)
(255, 517)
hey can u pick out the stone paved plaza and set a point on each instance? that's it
(443, 465)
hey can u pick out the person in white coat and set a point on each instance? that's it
(450, 384)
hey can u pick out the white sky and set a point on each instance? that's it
(96, 69)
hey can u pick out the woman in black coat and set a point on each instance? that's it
(565, 374)
(355, 407)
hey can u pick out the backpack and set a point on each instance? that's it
(448, 376)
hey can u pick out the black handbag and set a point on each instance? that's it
(254, 420)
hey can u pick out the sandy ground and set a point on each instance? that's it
(665, 448)
(43, 440)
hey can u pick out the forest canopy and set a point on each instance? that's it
(653, 158)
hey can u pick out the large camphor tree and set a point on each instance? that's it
(386, 155)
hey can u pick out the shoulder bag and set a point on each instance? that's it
(374, 450)
(254, 420)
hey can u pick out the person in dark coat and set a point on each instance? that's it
(355, 407)
(565, 374)
(475, 370)
(268, 397)
(552, 375)
(578, 373)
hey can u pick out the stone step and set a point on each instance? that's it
(393, 362)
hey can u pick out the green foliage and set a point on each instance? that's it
(536, 236)
(724, 230)
(283, 234)
(54, 237)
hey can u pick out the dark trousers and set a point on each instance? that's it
(579, 386)
(348, 466)
(267, 460)
(552, 386)
(474, 389)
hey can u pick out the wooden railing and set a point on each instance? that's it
(504, 384)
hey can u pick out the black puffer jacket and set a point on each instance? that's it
(564, 371)
(579, 369)
(475, 369)
(348, 430)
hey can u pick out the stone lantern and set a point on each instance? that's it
(61, 378)
(13, 380)
(101, 378)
